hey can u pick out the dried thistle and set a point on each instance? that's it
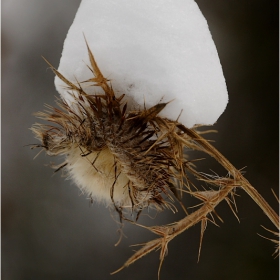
(135, 159)
(128, 158)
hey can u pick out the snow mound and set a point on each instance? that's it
(153, 51)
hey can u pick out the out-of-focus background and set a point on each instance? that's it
(50, 231)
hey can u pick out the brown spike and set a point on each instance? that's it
(202, 230)
(99, 78)
(146, 249)
(61, 77)
(152, 112)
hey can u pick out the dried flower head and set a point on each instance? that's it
(130, 158)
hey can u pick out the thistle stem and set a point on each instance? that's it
(199, 214)
(244, 184)
(255, 195)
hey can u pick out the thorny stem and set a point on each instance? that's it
(201, 213)
(168, 232)
(271, 214)
(244, 184)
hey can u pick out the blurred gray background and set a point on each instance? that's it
(49, 230)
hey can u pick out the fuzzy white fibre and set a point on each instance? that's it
(97, 180)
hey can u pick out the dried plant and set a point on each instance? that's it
(136, 159)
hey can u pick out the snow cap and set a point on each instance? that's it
(151, 50)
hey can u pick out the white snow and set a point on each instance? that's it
(151, 50)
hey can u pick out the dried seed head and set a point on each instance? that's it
(128, 158)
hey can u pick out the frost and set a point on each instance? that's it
(153, 51)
